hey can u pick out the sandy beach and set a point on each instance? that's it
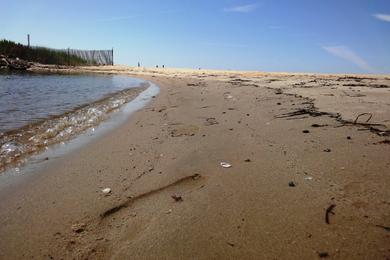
(309, 175)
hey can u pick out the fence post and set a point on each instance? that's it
(112, 56)
(68, 57)
(93, 60)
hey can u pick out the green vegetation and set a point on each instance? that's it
(39, 54)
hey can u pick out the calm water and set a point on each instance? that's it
(39, 110)
(27, 98)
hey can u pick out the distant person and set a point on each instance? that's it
(139, 64)
(156, 66)
(163, 66)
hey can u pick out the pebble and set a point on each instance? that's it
(78, 228)
(323, 254)
(177, 198)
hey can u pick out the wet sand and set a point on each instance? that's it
(295, 148)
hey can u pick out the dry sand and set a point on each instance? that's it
(171, 199)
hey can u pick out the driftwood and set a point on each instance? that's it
(3, 63)
(14, 64)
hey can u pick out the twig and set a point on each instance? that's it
(306, 111)
(385, 228)
(128, 202)
(329, 210)
(357, 118)
(311, 110)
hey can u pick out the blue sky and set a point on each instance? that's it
(351, 36)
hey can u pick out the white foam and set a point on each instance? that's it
(61, 148)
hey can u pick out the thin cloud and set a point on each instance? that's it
(383, 17)
(241, 8)
(349, 55)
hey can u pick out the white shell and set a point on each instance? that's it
(226, 165)
(106, 190)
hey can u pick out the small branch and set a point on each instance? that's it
(357, 118)
(329, 210)
(384, 227)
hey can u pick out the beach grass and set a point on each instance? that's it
(39, 54)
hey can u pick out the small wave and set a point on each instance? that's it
(16, 145)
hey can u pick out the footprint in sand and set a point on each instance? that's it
(211, 121)
(188, 130)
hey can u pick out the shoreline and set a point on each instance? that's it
(33, 162)
(174, 146)
(33, 138)
(168, 71)
(322, 102)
